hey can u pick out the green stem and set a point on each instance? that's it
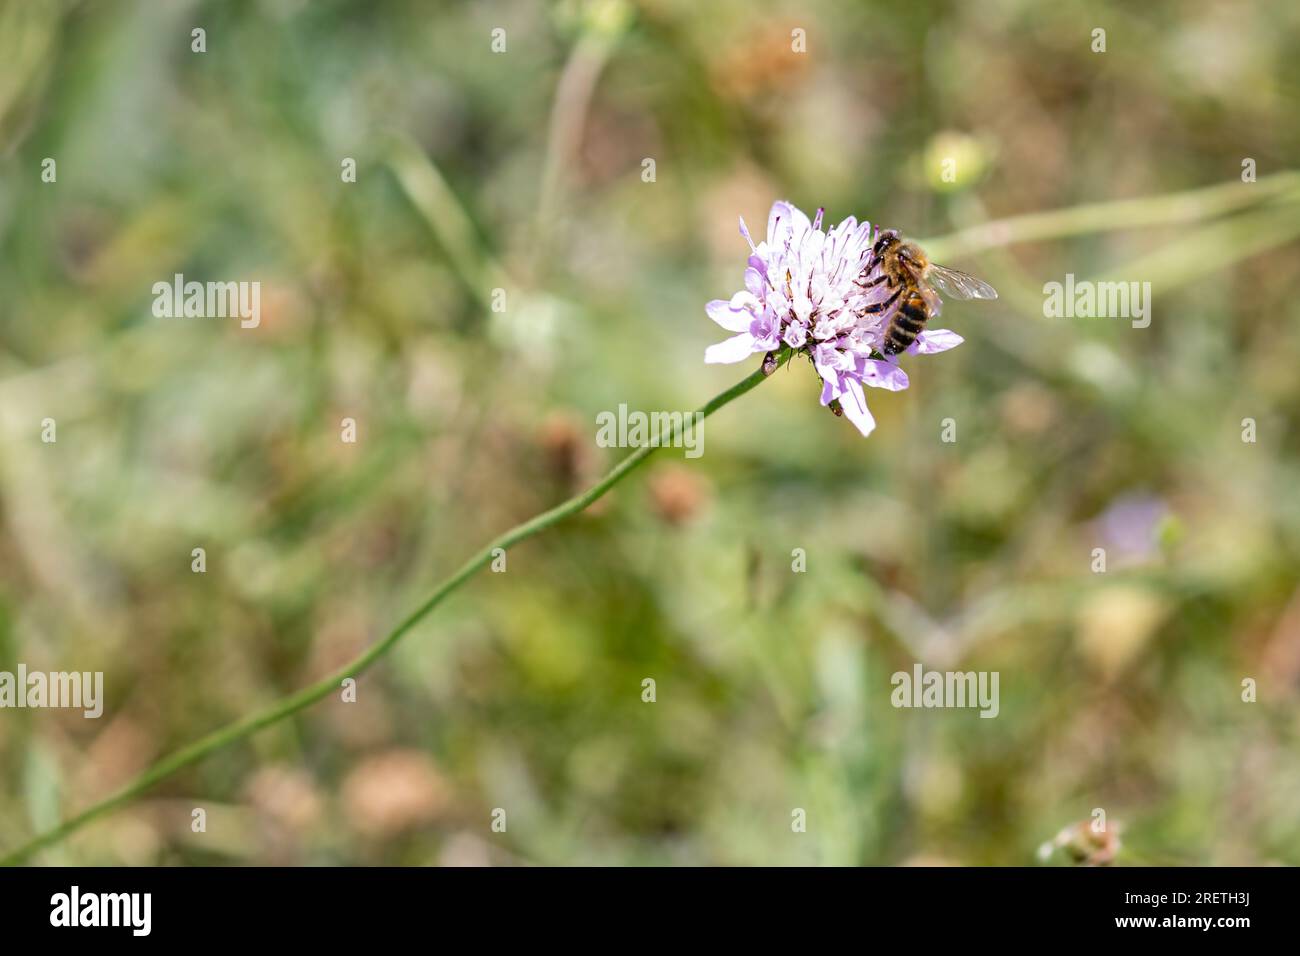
(239, 729)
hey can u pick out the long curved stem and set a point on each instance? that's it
(288, 706)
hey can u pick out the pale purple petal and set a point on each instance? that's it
(885, 375)
(744, 231)
(766, 330)
(830, 391)
(785, 223)
(778, 223)
(735, 349)
(934, 340)
(802, 306)
(826, 359)
(855, 408)
(801, 223)
(733, 320)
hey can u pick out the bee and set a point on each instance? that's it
(908, 271)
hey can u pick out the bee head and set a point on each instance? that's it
(885, 240)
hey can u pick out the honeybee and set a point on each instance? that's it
(908, 271)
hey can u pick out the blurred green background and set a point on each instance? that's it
(522, 171)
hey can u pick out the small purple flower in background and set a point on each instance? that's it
(1130, 526)
(808, 289)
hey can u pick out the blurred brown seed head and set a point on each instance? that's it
(677, 494)
(392, 792)
(285, 796)
(760, 62)
(123, 749)
(563, 445)
(568, 456)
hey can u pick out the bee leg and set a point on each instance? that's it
(882, 306)
(874, 282)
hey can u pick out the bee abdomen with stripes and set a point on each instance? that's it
(908, 320)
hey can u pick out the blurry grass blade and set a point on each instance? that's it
(435, 201)
(1210, 248)
(1191, 206)
(602, 29)
(41, 786)
(27, 37)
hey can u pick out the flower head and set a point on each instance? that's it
(812, 291)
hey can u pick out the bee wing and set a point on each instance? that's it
(959, 285)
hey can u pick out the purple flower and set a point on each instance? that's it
(807, 289)
(1131, 526)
